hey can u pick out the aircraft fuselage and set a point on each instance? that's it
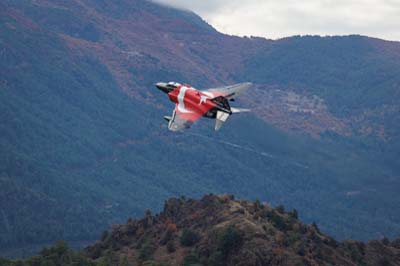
(190, 102)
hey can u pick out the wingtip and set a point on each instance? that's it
(240, 110)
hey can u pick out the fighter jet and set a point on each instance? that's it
(192, 104)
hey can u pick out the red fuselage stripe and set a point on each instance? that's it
(191, 104)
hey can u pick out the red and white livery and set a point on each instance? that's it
(192, 104)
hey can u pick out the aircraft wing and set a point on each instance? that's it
(179, 121)
(229, 92)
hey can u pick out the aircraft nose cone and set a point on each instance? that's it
(163, 87)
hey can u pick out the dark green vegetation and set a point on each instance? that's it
(77, 154)
(59, 254)
(188, 238)
(351, 73)
(57, 120)
(228, 232)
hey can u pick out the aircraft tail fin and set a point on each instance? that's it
(220, 119)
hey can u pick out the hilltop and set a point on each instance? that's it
(219, 230)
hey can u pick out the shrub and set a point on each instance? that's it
(124, 261)
(110, 258)
(167, 236)
(280, 209)
(149, 263)
(172, 227)
(385, 241)
(216, 258)
(191, 260)
(230, 239)
(314, 224)
(356, 251)
(189, 238)
(258, 205)
(384, 262)
(171, 246)
(291, 239)
(293, 214)
(146, 250)
(264, 227)
(278, 221)
(302, 250)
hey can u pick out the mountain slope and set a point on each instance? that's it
(356, 77)
(83, 144)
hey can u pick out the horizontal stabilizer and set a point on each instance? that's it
(239, 110)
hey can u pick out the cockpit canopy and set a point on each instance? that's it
(173, 84)
(167, 87)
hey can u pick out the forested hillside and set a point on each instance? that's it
(83, 144)
(218, 230)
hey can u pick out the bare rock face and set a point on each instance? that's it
(219, 230)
